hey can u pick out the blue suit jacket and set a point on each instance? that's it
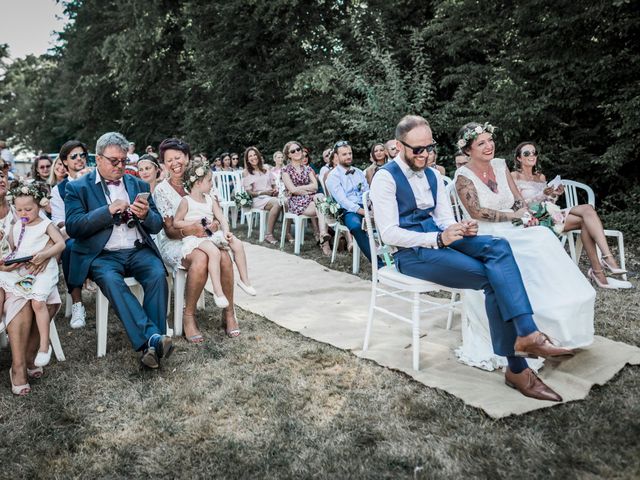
(90, 224)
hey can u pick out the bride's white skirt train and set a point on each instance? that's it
(561, 297)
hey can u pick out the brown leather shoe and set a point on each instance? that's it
(537, 345)
(528, 384)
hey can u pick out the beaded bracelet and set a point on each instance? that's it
(439, 241)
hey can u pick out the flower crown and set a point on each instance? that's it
(196, 172)
(472, 133)
(37, 190)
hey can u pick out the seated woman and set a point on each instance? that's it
(149, 170)
(302, 185)
(378, 157)
(18, 312)
(533, 187)
(175, 155)
(261, 185)
(562, 299)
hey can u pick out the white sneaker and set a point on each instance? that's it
(77, 315)
(43, 358)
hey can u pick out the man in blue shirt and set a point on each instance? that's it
(347, 184)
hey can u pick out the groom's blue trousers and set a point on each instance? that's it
(484, 263)
(110, 268)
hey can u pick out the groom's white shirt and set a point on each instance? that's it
(385, 206)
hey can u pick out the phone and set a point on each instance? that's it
(18, 260)
(142, 195)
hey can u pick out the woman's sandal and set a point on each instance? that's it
(270, 239)
(19, 390)
(36, 372)
(233, 332)
(325, 245)
(198, 338)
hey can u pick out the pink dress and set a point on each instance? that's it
(256, 182)
(299, 203)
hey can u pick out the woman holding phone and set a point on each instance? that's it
(533, 186)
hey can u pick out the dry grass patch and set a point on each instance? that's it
(274, 404)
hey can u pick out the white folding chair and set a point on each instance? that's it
(177, 284)
(299, 222)
(405, 288)
(339, 228)
(225, 183)
(102, 312)
(572, 191)
(54, 339)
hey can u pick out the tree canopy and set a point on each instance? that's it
(226, 75)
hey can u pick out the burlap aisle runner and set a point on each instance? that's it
(331, 307)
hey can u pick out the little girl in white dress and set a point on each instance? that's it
(200, 205)
(37, 239)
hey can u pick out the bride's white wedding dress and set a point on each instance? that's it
(561, 297)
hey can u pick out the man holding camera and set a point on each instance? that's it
(110, 216)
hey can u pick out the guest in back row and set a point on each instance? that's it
(347, 184)
(261, 185)
(378, 158)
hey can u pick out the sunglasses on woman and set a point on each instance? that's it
(78, 155)
(419, 149)
(295, 150)
(529, 153)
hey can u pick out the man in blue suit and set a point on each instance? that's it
(414, 216)
(110, 216)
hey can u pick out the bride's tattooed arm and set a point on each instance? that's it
(469, 198)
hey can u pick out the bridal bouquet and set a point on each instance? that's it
(548, 214)
(243, 199)
(329, 208)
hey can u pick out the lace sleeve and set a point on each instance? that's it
(163, 202)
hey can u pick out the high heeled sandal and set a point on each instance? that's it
(19, 390)
(592, 275)
(325, 245)
(37, 372)
(612, 270)
(197, 338)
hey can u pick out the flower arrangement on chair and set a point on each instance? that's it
(329, 208)
(243, 199)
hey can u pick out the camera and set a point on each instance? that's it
(205, 225)
(127, 217)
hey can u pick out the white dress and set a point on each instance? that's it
(561, 297)
(19, 282)
(167, 201)
(198, 211)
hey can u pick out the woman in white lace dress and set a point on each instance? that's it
(175, 154)
(561, 297)
(532, 184)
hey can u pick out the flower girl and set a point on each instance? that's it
(33, 240)
(201, 206)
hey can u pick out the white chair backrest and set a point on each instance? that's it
(447, 180)
(324, 187)
(571, 193)
(455, 201)
(375, 241)
(225, 183)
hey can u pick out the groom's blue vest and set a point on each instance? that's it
(410, 216)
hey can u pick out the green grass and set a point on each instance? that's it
(274, 404)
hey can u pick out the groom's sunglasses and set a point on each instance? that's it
(418, 150)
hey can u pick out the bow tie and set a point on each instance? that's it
(351, 171)
(413, 173)
(115, 183)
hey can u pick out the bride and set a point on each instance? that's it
(560, 295)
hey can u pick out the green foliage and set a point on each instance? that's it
(226, 75)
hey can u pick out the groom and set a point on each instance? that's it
(111, 216)
(413, 213)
